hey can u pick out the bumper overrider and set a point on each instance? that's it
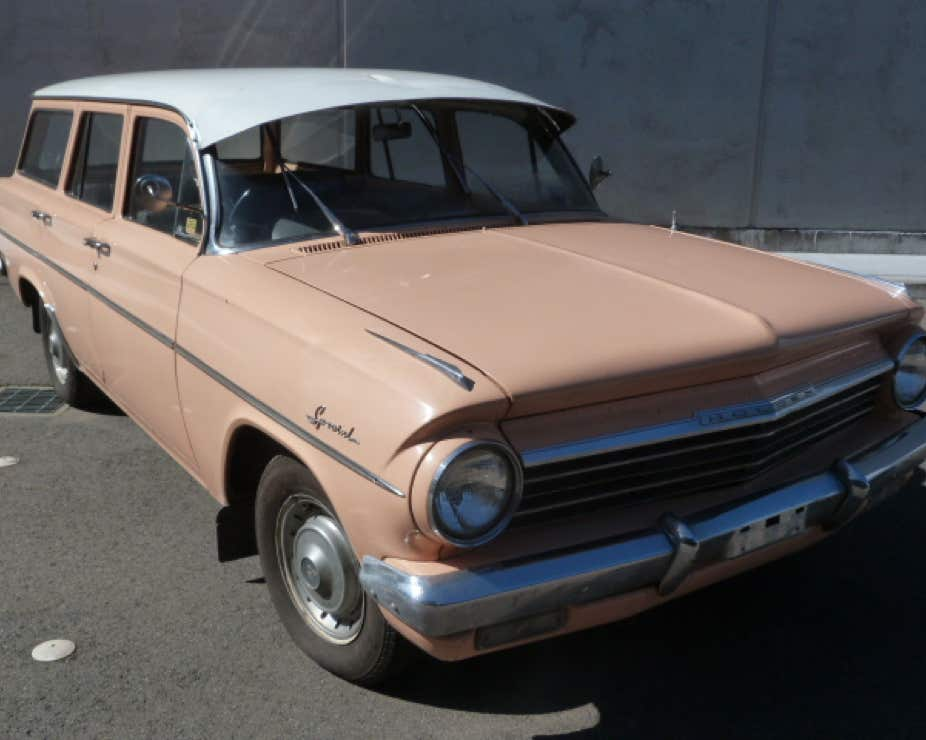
(449, 603)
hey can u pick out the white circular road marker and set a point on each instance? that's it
(7, 461)
(46, 652)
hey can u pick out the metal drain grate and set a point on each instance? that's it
(20, 400)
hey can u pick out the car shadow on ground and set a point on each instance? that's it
(826, 643)
(105, 406)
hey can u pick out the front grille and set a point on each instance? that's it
(694, 464)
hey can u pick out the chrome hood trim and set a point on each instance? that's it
(448, 369)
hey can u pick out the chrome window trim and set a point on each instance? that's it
(140, 102)
(513, 503)
(244, 395)
(210, 197)
(701, 422)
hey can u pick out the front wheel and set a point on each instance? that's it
(71, 385)
(311, 572)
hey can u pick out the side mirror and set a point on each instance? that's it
(153, 193)
(597, 172)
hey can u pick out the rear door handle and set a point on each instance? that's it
(102, 248)
(45, 218)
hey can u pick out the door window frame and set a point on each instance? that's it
(128, 144)
(49, 104)
(81, 108)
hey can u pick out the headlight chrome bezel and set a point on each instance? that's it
(511, 506)
(904, 350)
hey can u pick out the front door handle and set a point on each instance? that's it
(45, 218)
(102, 248)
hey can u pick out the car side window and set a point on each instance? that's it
(96, 159)
(46, 142)
(163, 191)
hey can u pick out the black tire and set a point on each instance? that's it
(71, 385)
(376, 651)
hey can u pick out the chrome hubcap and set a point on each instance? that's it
(57, 350)
(319, 569)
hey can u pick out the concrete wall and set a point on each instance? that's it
(790, 114)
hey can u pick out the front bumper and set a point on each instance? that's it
(460, 601)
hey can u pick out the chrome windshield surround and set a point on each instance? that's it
(448, 369)
(709, 420)
(660, 558)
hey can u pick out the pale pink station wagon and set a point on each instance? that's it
(380, 317)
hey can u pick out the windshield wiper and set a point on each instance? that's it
(348, 234)
(455, 165)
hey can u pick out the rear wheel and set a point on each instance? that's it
(69, 382)
(311, 572)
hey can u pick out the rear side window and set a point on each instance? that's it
(46, 141)
(96, 161)
(163, 191)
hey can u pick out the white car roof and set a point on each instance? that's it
(221, 102)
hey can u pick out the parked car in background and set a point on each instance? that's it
(380, 317)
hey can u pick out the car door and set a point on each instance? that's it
(143, 253)
(60, 222)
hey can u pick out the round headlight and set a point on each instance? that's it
(910, 376)
(475, 493)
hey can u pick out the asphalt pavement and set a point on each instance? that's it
(105, 541)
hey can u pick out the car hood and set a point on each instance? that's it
(567, 314)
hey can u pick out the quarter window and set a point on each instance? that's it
(96, 161)
(46, 142)
(163, 191)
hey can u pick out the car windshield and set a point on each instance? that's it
(384, 166)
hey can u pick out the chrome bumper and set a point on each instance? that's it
(456, 602)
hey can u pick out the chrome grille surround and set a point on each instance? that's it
(710, 450)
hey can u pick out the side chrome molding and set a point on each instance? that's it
(263, 408)
(451, 371)
(287, 423)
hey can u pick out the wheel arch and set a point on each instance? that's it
(31, 297)
(248, 452)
